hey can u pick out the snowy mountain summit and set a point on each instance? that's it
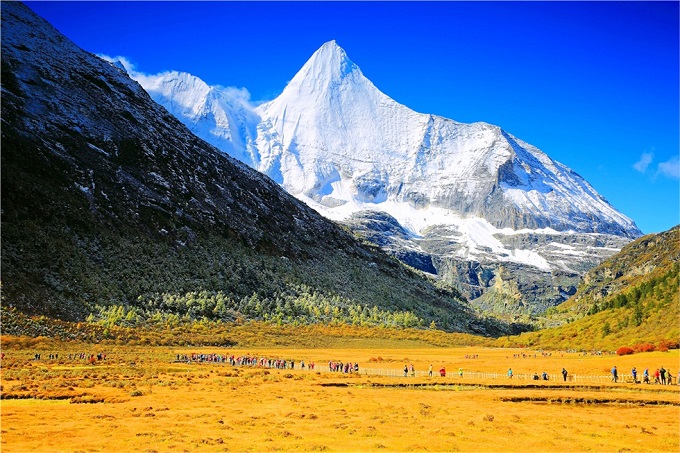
(333, 137)
(460, 193)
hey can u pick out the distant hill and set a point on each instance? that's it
(630, 299)
(112, 209)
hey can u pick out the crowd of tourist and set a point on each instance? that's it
(660, 376)
(252, 361)
(339, 367)
(77, 356)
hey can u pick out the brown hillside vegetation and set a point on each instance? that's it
(42, 331)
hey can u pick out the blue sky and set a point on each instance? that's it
(592, 84)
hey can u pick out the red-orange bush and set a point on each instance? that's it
(665, 345)
(624, 350)
(644, 347)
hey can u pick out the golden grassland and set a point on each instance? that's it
(661, 328)
(139, 400)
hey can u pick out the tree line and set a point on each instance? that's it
(302, 307)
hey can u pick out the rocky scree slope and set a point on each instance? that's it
(108, 200)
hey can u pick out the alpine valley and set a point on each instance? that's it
(495, 217)
(124, 209)
(113, 210)
(179, 266)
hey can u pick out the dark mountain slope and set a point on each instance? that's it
(107, 200)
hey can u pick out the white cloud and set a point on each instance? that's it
(145, 80)
(150, 81)
(670, 168)
(241, 94)
(127, 64)
(644, 162)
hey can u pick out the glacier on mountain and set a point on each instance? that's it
(336, 142)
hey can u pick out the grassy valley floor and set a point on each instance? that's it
(140, 399)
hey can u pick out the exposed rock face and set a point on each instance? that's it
(383, 230)
(643, 257)
(637, 289)
(511, 287)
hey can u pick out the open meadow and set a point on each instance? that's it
(141, 399)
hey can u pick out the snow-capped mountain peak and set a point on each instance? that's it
(460, 192)
(329, 79)
(329, 87)
(335, 140)
(329, 64)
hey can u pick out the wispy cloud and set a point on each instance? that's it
(670, 168)
(643, 163)
(150, 81)
(145, 80)
(127, 64)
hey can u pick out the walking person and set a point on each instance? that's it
(429, 370)
(634, 373)
(564, 374)
(510, 373)
(615, 374)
